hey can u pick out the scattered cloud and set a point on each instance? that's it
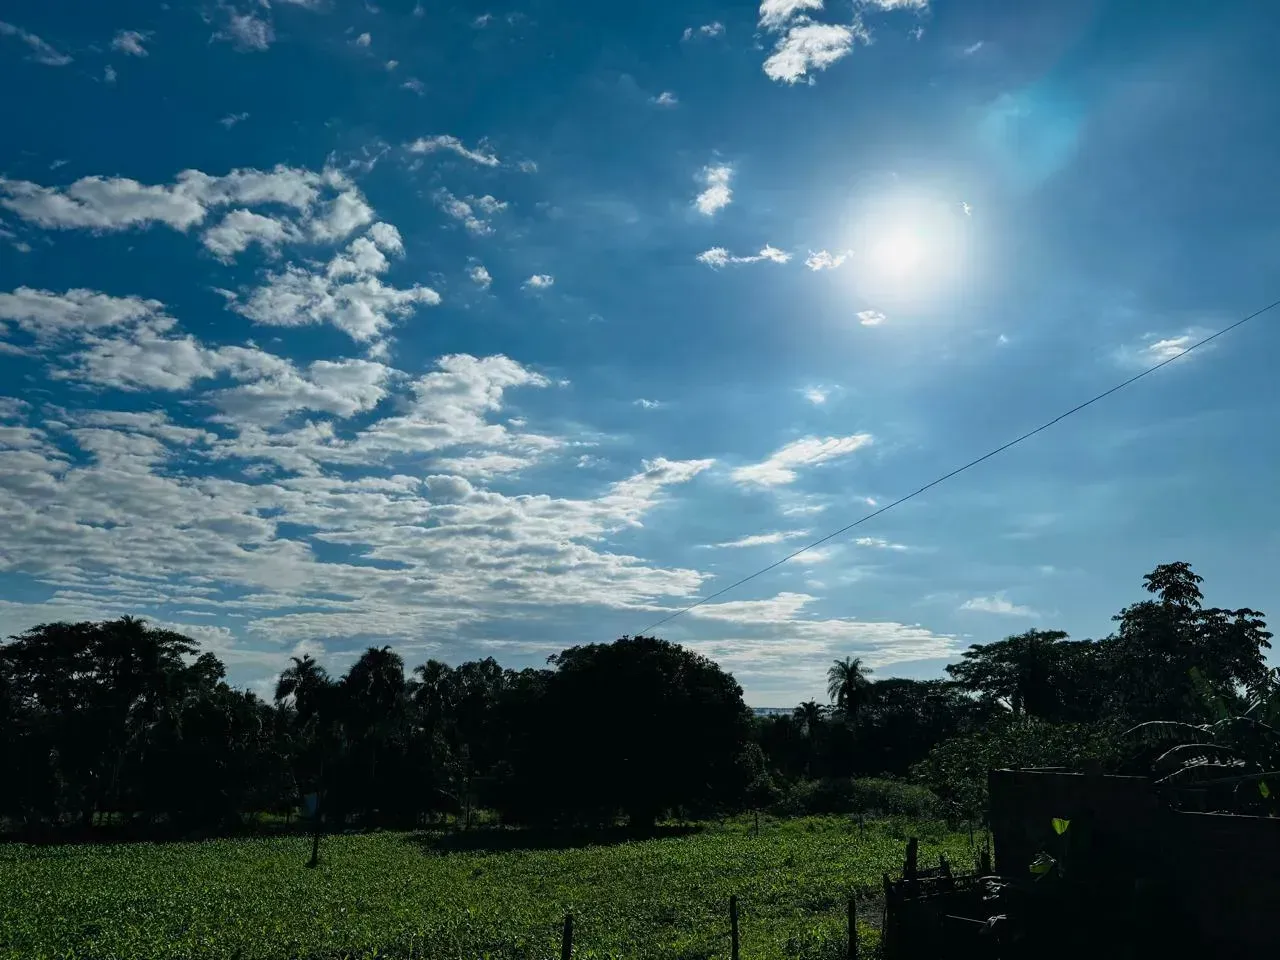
(488, 204)
(391, 64)
(109, 74)
(718, 257)
(776, 14)
(479, 275)
(462, 211)
(973, 48)
(871, 318)
(822, 260)
(231, 119)
(414, 85)
(717, 195)
(807, 47)
(363, 40)
(1155, 348)
(918, 5)
(539, 281)
(706, 31)
(665, 99)
(968, 210)
(647, 404)
(764, 539)
(454, 145)
(41, 52)
(246, 32)
(482, 21)
(780, 468)
(816, 395)
(878, 543)
(998, 605)
(131, 42)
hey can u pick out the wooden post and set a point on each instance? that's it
(757, 823)
(853, 928)
(733, 928)
(911, 870)
(566, 938)
(315, 844)
(971, 834)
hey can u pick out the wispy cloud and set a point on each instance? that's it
(246, 32)
(231, 119)
(764, 539)
(718, 257)
(363, 40)
(816, 395)
(871, 318)
(706, 31)
(665, 99)
(717, 195)
(973, 48)
(131, 42)
(998, 605)
(647, 404)
(539, 281)
(414, 85)
(878, 543)
(452, 144)
(1155, 348)
(776, 14)
(780, 468)
(807, 47)
(41, 52)
(822, 260)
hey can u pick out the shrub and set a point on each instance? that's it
(874, 796)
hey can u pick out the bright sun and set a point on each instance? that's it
(910, 246)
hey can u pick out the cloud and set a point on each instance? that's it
(109, 74)
(764, 539)
(997, 605)
(878, 543)
(479, 275)
(871, 318)
(482, 21)
(717, 195)
(776, 14)
(414, 85)
(780, 468)
(231, 119)
(246, 33)
(718, 257)
(453, 145)
(665, 99)
(646, 404)
(46, 315)
(240, 228)
(363, 40)
(919, 5)
(131, 42)
(41, 52)
(1157, 348)
(973, 48)
(488, 204)
(461, 211)
(822, 260)
(968, 210)
(539, 281)
(706, 31)
(391, 64)
(346, 292)
(816, 395)
(807, 47)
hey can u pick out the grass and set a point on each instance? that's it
(397, 895)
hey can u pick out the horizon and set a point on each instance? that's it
(490, 332)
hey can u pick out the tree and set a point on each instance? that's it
(1038, 673)
(810, 715)
(847, 684)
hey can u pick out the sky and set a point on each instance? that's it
(490, 330)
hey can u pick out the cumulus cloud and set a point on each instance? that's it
(808, 47)
(363, 40)
(1160, 348)
(665, 99)
(816, 395)
(41, 52)
(870, 318)
(822, 260)
(776, 14)
(718, 257)
(647, 404)
(246, 32)
(998, 605)
(717, 195)
(452, 144)
(707, 31)
(782, 466)
(240, 228)
(461, 211)
(48, 315)
(131, 42)
(479, 276)
(414, 85)
(540, 281)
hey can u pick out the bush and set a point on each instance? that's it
(874, 796)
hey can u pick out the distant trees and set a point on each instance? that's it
(120, 718)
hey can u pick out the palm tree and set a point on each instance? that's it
(809, 715)
(308, 683)
(847, 684)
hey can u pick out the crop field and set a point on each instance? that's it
(400, 895)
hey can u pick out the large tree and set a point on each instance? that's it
(847, 683)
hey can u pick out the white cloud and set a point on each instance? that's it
(479, 276)
(240, 228)
(665, 99)
(391, 64)
(414, 85)
(707, 30)
(47, 315)
(487, 204)
(343, 388)
(109, 74)
(231, 119)
(718, 257)
(968, 210)
(780, 467)
(647, 404)
(540, 281)
(717, 195)
(453, 145)
(870, 318)
(461, 211)
(765, 539)
(816, 395)
(822, 260)
(807, 47)
(878, 543)
(131, 42)
(776, 14)
(898, 4)
(363, 40)
(1157, 348)
(973, 48)
(482, 21)
(246, 32)
(41, 52)
(998, 605)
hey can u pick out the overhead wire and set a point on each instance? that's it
(961, 469)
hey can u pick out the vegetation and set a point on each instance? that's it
(393, 895)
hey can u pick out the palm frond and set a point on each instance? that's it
(1202, 771)
(1158, 731)
(1192, 754)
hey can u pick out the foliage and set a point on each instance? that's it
(390, 895)
(873, 796)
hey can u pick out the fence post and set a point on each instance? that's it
(853, 927)
(913, 855)
(733, 928)
(566, 938)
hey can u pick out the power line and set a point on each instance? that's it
(958, 470)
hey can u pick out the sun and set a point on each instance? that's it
(901, 253)
(909, 247)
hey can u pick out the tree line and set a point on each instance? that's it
(124, 721)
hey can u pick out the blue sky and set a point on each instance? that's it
(487, 330)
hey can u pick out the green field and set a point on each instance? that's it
(397, 895)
